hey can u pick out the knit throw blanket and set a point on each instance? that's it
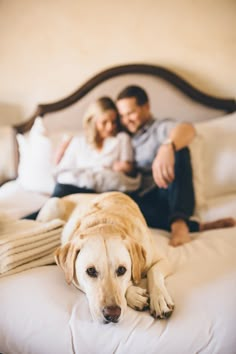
(26, 244)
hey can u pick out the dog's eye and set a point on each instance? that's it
(120, 271)
(92, 272)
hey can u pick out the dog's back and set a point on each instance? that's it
(113, 208)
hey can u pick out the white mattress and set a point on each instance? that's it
(41, 314)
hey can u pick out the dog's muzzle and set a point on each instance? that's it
(111, 313)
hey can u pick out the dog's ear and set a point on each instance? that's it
(138, 258)
(65, 257)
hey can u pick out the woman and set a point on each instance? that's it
(100, 160)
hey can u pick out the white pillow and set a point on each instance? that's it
(35, 165)
(216, 208)
(8, 154)
(213, 155)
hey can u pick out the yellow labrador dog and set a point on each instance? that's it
(106, 250)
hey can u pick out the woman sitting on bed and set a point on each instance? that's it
(99, 161)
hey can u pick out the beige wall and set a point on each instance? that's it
(49, 47)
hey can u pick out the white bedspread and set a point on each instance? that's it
(41, 314)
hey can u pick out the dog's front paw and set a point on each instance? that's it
(161, 305)
(137, 298)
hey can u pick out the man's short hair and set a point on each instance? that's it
(134, 91)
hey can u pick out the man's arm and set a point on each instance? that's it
(163, 164)
(182, 135)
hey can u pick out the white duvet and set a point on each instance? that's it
(41, 314)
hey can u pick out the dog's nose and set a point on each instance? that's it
(111, 313)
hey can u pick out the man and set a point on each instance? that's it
(166, 197)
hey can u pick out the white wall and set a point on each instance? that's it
(50, 47)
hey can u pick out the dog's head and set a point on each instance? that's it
(102, 263)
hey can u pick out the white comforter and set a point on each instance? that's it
(41, 314)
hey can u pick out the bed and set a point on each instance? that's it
(41, 314)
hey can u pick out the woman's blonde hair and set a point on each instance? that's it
(100, 106)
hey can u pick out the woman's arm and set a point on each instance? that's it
(69, 159)
(66, 139)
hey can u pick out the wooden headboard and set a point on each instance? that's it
(170, 96)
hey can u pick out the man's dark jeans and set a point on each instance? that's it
(161, 207)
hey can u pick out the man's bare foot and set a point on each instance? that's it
(179, 233)
(217, 224)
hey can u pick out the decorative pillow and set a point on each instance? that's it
(35, 170)
(213, 154)
(8, 154)
(219, 207)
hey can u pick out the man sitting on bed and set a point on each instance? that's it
(166, 197)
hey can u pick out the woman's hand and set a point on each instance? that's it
(123, 166)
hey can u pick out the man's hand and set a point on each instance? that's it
(163, 166)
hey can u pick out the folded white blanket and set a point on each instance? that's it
(43, 261)
(25, 244)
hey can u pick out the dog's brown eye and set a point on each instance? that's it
(92, 272)
(120, 271)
